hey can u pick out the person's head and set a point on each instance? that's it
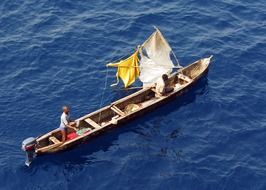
(65, 109)
(165, 77)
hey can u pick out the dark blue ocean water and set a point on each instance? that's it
(213, 137)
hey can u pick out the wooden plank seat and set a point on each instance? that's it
(92, 123)
(54, 140)
(154, 90)
(117, 110)
(184, 77)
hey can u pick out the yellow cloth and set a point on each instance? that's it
(128, 69)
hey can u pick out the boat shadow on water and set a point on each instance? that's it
(84, 153)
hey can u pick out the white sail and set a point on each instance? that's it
(157, 61)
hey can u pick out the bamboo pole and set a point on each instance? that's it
(174, 67)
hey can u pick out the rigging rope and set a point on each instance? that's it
(178, 65)
(103, 92)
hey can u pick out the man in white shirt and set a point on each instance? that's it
(66, 122)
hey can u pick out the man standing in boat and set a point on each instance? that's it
(66, 123)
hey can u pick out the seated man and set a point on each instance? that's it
(66, 123)
(162, 87)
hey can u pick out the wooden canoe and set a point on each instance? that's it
(116, 113)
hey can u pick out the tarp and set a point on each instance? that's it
(157, 60)
(127, 70)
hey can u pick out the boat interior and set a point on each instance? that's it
(121, 108)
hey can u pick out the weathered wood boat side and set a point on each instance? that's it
(116, 113)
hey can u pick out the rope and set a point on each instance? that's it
(103, 92)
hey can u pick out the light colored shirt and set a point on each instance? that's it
(65, 119)
(160, 85)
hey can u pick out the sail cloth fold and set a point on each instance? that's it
(127, 70)
(157, 60)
